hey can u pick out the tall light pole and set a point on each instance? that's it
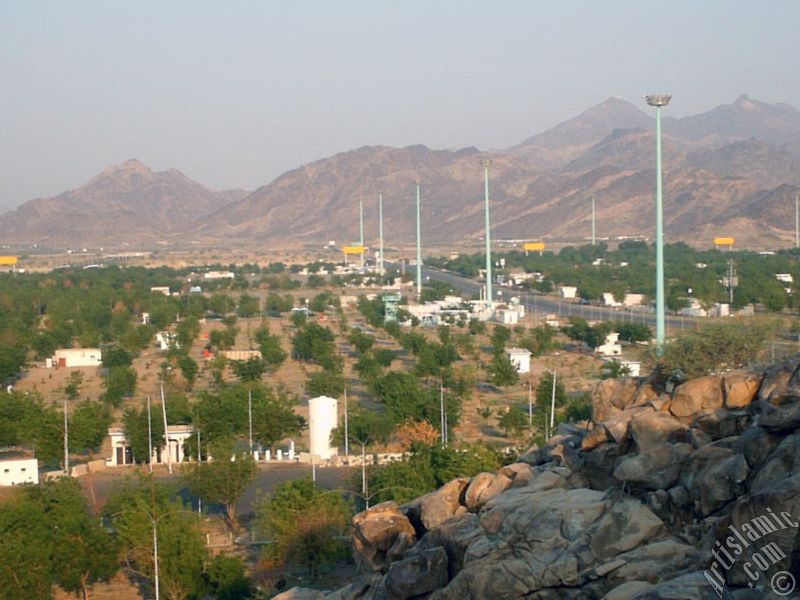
(380, 232)
(66, 440)
(593, 222)
(658, 101)
(489, 297)
(361, 229)
(797, 221)
(419, 250)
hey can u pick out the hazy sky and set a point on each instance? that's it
(235, 93)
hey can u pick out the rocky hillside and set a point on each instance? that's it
(126, 203)
(672, 492)
(719, 167)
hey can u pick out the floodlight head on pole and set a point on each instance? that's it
(658, 99)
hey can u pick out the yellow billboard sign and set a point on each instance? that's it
(353, 249)
(724, 241)
(533, 246)
(8, 260)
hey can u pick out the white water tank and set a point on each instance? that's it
(322, 419)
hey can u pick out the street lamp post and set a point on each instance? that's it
(488, 236)
(658, 101)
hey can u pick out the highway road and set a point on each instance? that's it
(540, 305)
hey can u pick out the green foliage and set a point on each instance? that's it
(384, 356)
(227, 578)
(116, 357)
(500, 337)
(614, 370)
(373, 310)
(305, 524)
(223, 416)
(513, 421)
(428, 468)
(579, 409)
(539, 340)
(247, 306)
(325, 383)
(477, 327)
(251, 369)
(221, 481)
(120, 382)
(369, 427)
(133, 506)
(544, 391)
(315, 342)
(272, 352)
(405, 397)
(88, 426)
(189, 368)
(502, 371)
(73, 388)
(715, 346)
(279, 303)
(187, 331)
(135, 425)
(321, 302)
(49, 537)
(360, 340)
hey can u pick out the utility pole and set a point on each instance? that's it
(419, 250)
(361, 229)
(530, 407)
(166, 435)
(250, 419)
(346, 432)
(441, 413)
(488, 236)
(380, 232)
(659, 101)
(553, 402)
(593, 222)
(150, 437)
(797, 221)
(66, 440)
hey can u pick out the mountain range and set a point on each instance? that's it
(734, 170)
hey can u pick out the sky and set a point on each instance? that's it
(235, 93)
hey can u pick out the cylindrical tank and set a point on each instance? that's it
(322, 419)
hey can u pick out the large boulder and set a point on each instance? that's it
(419, 574)
(782, 418)
(441, 505)
(651, 429)
(715, 474)
(612, 395)
(740, 388)
(699, 394)
(776, 380)
(617, 426)
(783, 463)
(484, 487)
(455, 537)
(656, 469)
(380, 535)
(301, 593)
(691, 586)
(624, 526)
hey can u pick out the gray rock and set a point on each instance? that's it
(417, 575)
(756, 445)
(440, 506)
(627, 590)
(692, 586)
(380, 535)
(301, 593)
(776, 380)
(782, 418)
(784, 462)
(623, 527)
(657, 469)
(484, 487)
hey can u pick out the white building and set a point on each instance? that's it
(219, 275)
(520, 358)
(160, 289)
(567, 291)
(240, 354)
(506, 316)
(177, 435)
(322, 419)
(167, 340)
(16, 469)
(608, 299)
(633, 299)
(76, 357)
(610, 347)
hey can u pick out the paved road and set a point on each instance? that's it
(539, 304)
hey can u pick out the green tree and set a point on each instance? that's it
(305, 524)
(270, 345)
(251, 369)
(502, 372)
(227, 578)
(120, 382)
(73, 388)
(134, 508)
(135, 426)
(325, 383)
(88, 426)
(513, 421)
(544, 391)
(189, 368)
(500, 337)
(221, 481)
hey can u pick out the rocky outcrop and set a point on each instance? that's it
(637, 507)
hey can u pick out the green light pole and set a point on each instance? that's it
(488, 236)
(419, 250)
(658, 101)
(380, 233)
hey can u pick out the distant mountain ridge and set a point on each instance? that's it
(731, 171)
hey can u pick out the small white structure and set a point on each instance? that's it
(160, 289)
(77, 357)
(608, 299)
(177, 435)
(520, 358)
(633, 299)
(240, 354)
(16, 469)
(219, 275)
(610, 347)
(695, 309)
(784, 277)
(322, 419)
(506, 316)
(567, 291)
(721, 309)
(167, 340)
(634, 367)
